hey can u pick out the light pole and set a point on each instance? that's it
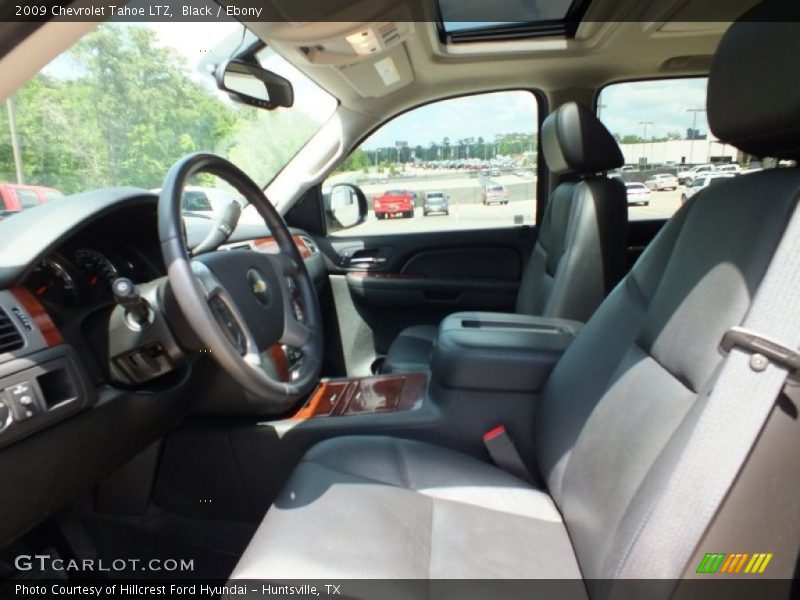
(12, 126)
(694, 131)
(644, 125)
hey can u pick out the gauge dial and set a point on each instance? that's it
(99, 270)
(52, 281)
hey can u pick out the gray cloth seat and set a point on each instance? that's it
(613, 417)
(579, 254)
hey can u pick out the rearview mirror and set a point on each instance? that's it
(249, 83)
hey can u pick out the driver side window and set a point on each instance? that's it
(462, 163)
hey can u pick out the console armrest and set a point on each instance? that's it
(499, 351)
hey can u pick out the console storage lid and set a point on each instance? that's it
(499, 351)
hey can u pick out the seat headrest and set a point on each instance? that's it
(574, 141)
(754, 82)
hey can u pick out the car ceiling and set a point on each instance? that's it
(670, 40)
(669, 36)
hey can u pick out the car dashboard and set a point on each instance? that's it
(66, 416)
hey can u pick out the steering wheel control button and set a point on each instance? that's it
(227, 321)
(259, 287)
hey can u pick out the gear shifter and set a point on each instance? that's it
(126, 294)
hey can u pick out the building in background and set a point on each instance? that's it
(679, 152)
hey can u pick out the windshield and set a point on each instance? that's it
(123, 104)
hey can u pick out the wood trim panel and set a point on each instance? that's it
(41, 320)
(281, 363)
(366, 395)
(270, 245)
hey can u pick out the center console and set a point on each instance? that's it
(499, 351)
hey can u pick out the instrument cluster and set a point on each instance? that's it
(80, 273)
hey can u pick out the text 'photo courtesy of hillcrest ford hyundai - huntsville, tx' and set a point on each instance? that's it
(400, 299)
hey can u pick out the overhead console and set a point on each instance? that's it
(498, 351)
(41, 380)
(369, 54)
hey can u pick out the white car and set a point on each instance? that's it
(703, 182)
(686, 177)
(730, 168)
(638, 194)
(662, 181)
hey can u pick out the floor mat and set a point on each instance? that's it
(147, 554)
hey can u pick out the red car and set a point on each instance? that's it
(394, 203)
(15, 197)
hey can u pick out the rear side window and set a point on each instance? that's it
(27, 198)
(662, 129)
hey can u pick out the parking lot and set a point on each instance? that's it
(467, 212)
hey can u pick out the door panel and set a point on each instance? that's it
(418, 278)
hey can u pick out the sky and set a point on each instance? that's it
(486, 115)
(664, 103)
(624, 107)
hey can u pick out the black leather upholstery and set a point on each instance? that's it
(754, 96)
(575, 141)
(610, 424)
(579, 254)
(386, 508)
(499, 351)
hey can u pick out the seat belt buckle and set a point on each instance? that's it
(504, 453)
(762, 349)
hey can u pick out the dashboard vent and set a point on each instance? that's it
(10, 338)
(310, 244)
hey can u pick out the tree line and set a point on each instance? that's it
(507, 144)
(126, 110)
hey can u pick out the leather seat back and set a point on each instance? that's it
(619, 407)
(579, 254)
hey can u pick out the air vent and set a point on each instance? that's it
(10, 338)
(310, 244)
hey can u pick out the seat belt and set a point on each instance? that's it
(761, 355)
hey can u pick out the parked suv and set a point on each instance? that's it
(15, 197)
(435, 202)
(686, 177)
(731, 168)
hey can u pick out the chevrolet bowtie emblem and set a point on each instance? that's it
(259, 286)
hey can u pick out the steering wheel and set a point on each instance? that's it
(241, 303)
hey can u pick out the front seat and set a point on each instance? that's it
(579, 254)
(613, 416)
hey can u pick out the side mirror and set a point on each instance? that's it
(345, 206)
(249, 83)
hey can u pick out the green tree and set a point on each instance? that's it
(126, 112)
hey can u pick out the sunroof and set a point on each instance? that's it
(470, 20)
